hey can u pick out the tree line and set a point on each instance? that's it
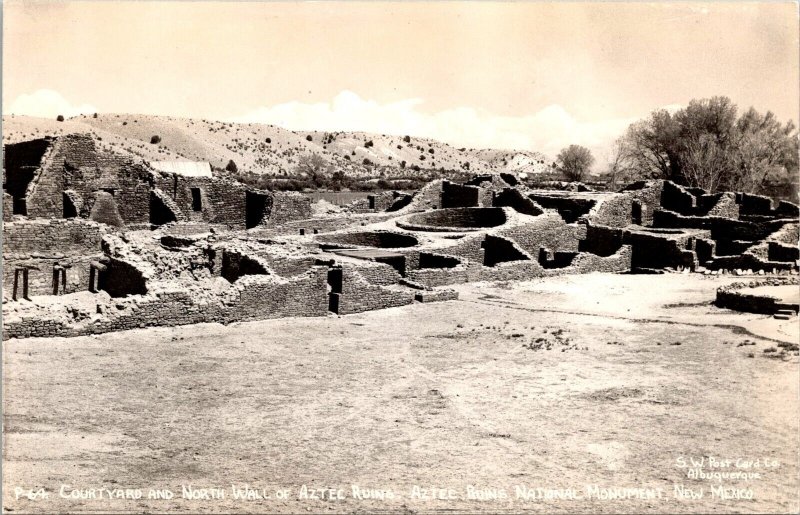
(706, 144)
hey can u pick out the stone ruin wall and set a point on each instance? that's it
(543, 244)
(41, 245)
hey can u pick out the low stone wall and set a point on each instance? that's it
(735, 296)
(359, 295)
(251, 298)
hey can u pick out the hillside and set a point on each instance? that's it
(271, 150)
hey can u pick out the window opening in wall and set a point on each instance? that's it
(197, 200)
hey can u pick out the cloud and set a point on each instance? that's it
(548, 130)
(46, 103)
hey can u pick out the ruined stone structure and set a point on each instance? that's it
(95, 242)
(68, 177)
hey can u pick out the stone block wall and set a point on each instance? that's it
(678, 199)
(62, 236)
(359, 295)
(41, 245)
(289, 206)
(548, 230)
(378, 273)
(725, 205)
(8, 207)
(458, 195)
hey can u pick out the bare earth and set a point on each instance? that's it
(559, 383)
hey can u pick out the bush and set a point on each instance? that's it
(231, 167)
(407, 139)
(366, 162)
(60, 118)
(368, 144)
(309, 138)
(155, 139)
(269, 140)
(94, 115)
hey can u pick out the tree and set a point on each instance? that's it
(619, 168)
(705, 145)
(313, 166)
(155, 140)
(231, 166)
(574, 162)
(60, 118)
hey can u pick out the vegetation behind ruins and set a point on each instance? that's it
(707, 144)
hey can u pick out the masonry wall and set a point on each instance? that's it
(549, 231)
(223, 201)
(359, 295)
(8, 207)
(252, 298)
(289, 206)
(45, 193)
(44, 244)
(457, 195)
(657, 251)
(648, 194)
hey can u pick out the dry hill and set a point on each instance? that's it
(271, 150)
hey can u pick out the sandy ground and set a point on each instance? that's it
(571, 385)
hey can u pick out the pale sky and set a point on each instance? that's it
(535, 76)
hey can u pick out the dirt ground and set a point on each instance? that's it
(544, 396)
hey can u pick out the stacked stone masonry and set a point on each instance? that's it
(106, 243)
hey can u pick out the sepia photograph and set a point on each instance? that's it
(429, 257)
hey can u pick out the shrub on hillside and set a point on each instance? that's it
(155, 140)
(231, 167)
(60, 118)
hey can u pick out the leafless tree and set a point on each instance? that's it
(574, 162)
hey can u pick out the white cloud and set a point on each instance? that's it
(547, 130)
(46, 103)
